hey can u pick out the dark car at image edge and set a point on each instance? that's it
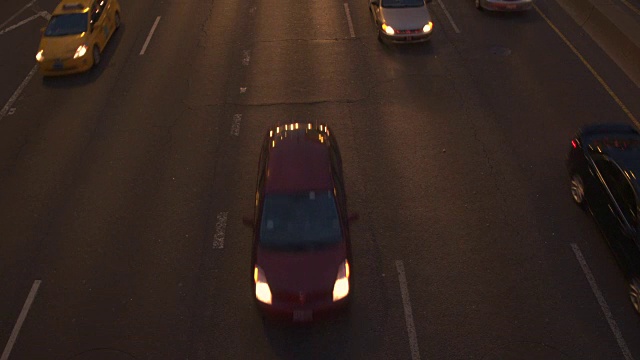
(604, 170)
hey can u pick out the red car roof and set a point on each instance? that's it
(298, 161)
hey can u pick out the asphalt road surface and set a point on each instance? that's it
(122, 190)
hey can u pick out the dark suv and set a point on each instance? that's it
(301, 248)
(604, 167)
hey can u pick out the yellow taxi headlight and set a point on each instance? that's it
(427, 27)
(39, 56)
(80, 51)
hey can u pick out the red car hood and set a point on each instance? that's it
(301, 271)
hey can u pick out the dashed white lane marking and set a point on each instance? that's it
(246, 57)
(590, 68)
(346, 10)
(603, 304)
(43, 14)
(446, 12)
(408, 313)
(243, 90)
(221, 226)
(153, 29)
(18, 13)
(17, 93)
(235, 126)
(21, 318)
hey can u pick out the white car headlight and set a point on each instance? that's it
(388, 29)
(341, 286)
(39, 56)
(263, 292)
(428, 27)
(80, 51)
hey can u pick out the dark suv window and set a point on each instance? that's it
(620, 188)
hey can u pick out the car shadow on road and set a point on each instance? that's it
(76, 80)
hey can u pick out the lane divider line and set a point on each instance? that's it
(18, 13)
(235, 126)
(603, 304)
(446, 12)
(17, 93)
(346, 10)
(590, 68)
(43, 14)
(408, 313)
(20, 321)
(221, 226)
(153, 29)
(246, 57)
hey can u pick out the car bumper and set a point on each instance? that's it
(501, 5)
(296, 312)
(57, 67)
(405, 38)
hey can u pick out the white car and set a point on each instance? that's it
(402, 20)
(504, 5)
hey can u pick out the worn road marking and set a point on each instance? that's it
(21, 318)
(446, 12)
(221, 225)
(243, 90)
(40, 14)
(17, 93)
(246, 56)
(591, 69)
(602, 302)
(346, 10)
(235, 126)
(408, 313)
(153, 29)
(18, 13)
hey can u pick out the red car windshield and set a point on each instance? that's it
(301, 221)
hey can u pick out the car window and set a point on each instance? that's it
(66, 24)
(96, 12)
(300, 221)
(620, 188)
(401, 3)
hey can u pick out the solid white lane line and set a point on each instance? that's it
(153, 29)
(346, 10)
(408, 313)
(633, 8)
(221, 226)
(455, 27)
(17, 93)
(23, 22)
(21, 318)
(18, 13)
(591, 69)
(603, 304)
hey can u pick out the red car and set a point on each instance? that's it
(301, 252)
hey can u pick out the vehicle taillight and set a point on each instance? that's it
(574, 143)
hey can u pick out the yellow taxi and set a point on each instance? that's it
(76, 35)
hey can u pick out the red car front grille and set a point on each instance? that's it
(302, 297)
